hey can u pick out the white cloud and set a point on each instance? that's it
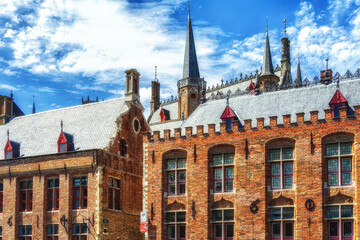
(47, 90)
(8, 87)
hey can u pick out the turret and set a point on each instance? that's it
(132, 84)
(285, 79)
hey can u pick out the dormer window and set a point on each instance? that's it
(228, 116)
(65, 141)
(164, 115)
(12, 149)
(337, 101)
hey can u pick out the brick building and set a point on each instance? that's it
(254, 158)
(74, 173)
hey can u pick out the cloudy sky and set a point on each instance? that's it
(64, 50)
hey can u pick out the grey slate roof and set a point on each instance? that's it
(92, 126)
(173, 111)
(267, 67)
(191, 68)
(278, 103)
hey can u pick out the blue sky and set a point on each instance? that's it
(64, 50)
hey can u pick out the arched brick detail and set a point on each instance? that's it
(175, 206)
(339, 198)
(281, 201)
(222, 203)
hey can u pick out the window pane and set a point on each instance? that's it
(229, 158)
(172, 189)
(170, 217)
(288, 168)
(348, 231)
(345, 148)
(288, 182)
(275, 213)
(228, 215)
(218, 186)
(229, 230)
(171, 231)
(171, 163)
(171, 177)
(275, 169)
(289, 230)
(180, 216)
(56, 229)
(288, 212)
(334, 229)
(182, 176)
(229, 173)
(76, 228)
(229, 185)
(62, 147)
(332, 165)
(346, 178)
(182, 189)
(333, 179)
(8, 154)
(49, 230)
(217, 159)
(346, 211)
(29, 230)
(83, 228)
(346, 164)
(333, 212)
(332, 149)
(217, 215)
(276, 229)
(181, 163)
(182, 231)
(22, 230)
(51, 183)
(275, 182)
(84, 181)
(76, 182)
(218, 173)
(218, 230)
(275, 154)
(287, 153)
(56, 182)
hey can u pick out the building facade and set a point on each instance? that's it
(74, 173)
(257, 158)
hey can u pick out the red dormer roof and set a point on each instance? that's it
(251, 87)
(162, 115)
(228, 113)
(62, 139)
(338, 98)
(8, 146)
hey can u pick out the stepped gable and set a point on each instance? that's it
(278, 103)
(91, 125)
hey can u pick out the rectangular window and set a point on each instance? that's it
(176, 223)
(62, 147)
(339, 164)
(114, 194)
(52, 232)
(281, 167)
(282, 224)
(79, 231)
(53, 194)
(26, 195)
(223, 223)
(176, 172)
(223, 172)
(25, 232)
(8, 155)
(80, 192)
(340, 222)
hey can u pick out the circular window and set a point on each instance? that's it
(136, 124)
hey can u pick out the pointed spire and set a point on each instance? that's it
(191, 67)
(8, 134)
(61, 125)
(267, 67)
(33, 107)
(298, 81)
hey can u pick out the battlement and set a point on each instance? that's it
(248, 126)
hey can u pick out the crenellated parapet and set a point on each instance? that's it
(250, 126)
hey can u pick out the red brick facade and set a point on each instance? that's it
(96, 166)
(252, 185)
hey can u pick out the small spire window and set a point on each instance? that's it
(228, 115)
(12, 149)
(337, 101)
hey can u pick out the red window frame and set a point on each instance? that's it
(276, 175)
(288, 175)
(346, 171)
(83, 193)
(53, 195)
(340, 226)
(26, 236)
(281, 163)
(80, 235)
(223, 167)
(335, 172)
(226, 179)
(26, 197)
(218, 180)
(176, 171)
(53, 235)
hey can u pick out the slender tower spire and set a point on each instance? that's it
(33, 107)
(267, 67)
(191, 67)
(298, 81)
(285, 77)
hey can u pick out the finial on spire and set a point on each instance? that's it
(11, 94)
(227, 99)
(267, 25)
(61, 125)
(327, 63)
(156, 73)
(338, 83)
(8, 134)
(189, 7)
(285, 30)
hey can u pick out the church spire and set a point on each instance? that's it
(298, 81)
(191, 67)
(267, 67)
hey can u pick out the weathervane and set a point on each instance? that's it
(285, 26)
(189, 7)
(267, 25)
